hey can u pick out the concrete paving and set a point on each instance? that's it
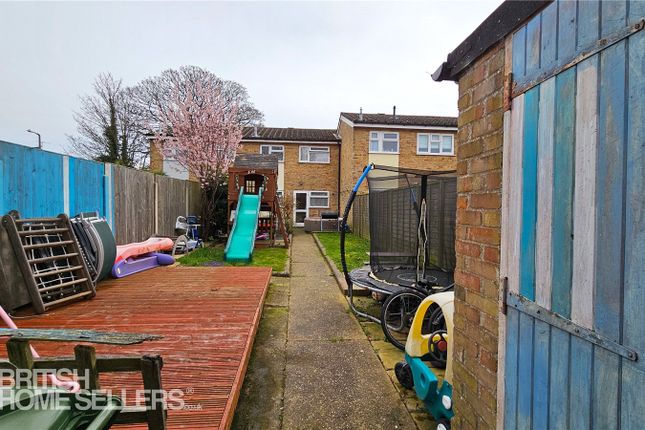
(331, 376)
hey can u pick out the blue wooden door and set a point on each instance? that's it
(573, 237)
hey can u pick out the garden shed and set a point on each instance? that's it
(549, 321)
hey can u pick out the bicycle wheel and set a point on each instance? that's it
(397, 314)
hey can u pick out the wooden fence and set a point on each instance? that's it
(146, 204)
(361, 216)
(136, 204)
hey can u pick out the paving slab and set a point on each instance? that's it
(373, 331)
(308, 269)
(388, 353)
(278, 294)
(340, 385)
(318, 311)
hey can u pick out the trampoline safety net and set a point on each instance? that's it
(395, 212)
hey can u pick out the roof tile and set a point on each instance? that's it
(409, 120)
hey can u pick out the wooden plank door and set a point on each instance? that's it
(573, 236)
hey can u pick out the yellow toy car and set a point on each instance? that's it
(436, 346)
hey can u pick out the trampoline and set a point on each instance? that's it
(412, 234)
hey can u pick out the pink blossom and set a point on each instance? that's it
(204, 133)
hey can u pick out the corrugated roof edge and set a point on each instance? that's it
(504, 20)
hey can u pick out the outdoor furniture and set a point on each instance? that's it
(20, 356)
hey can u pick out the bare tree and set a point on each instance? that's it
(155, 96)
(108, 127)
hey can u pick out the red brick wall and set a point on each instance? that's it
(479, 168)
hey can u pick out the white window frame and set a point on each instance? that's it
(379, 137)
(309, 205)
(321, 149)
(272, 151)
(441, 136)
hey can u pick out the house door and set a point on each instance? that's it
(573, 229)
(300, 207)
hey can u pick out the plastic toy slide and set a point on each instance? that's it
(242, 239)
(137, 257)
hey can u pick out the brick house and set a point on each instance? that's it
(550, 217)
(308, 169)
(318, 167)
(413, 141)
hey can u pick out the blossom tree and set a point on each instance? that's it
(202, 132)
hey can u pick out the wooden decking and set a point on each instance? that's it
(208, 317)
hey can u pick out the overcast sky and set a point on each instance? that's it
(302, 62)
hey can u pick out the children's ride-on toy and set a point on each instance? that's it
(437, 346)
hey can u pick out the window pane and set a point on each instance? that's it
(304, 153)
(434, 147)
(280, 155)
(422, 142)
(374, 145)
(373, 135)
(301, 201)
(319, 157)
(390, 136)
(446, 144)
(318, 198)
(435, 138)
(390, 146)
(264, 149)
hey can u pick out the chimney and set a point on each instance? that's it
(360, 115)
(255, 131)
(394, 111)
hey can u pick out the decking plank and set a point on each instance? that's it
(208, 318)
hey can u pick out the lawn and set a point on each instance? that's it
(276, 258)
(356, 249)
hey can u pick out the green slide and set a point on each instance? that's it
(242, 238)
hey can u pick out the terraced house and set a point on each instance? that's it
(318, 167)
(308, 166)
(413, 141)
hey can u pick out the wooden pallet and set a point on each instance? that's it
(50, 260)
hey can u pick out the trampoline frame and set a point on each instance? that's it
(343, 230)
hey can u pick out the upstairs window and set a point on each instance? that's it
(435, 144)
(385, 142)
(314, 154)
(273, 150)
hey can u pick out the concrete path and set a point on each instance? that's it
(313, 366)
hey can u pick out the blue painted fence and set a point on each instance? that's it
(136, 204)
(39, 183)
(579, 76)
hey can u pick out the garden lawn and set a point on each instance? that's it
(356, 249)
(276, 258)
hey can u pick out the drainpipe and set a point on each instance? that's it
(338, 181)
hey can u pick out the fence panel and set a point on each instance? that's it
(171, 203)
(86, 186)
(31, 181)
(194, 198)
(361, 219)
(134, 204)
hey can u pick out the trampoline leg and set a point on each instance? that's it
(350, 300)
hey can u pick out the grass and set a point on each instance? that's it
(276, 258)
(356, 249)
